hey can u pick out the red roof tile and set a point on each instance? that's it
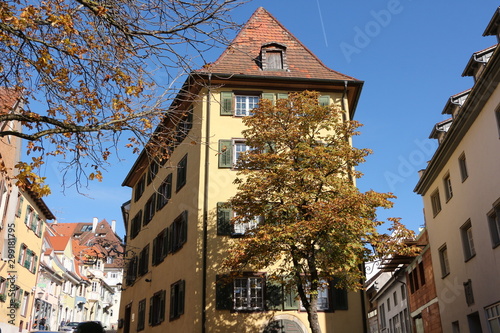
(262, 28)
(59, 242)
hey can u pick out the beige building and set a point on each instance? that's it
(177, 229)
(461, 193)
(23, 217)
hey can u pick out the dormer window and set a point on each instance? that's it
(273, 57)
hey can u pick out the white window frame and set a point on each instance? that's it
(240, 228)
(448, 190)
(468, 240)
(244, 104)
(248, 293)
(443, 259)
(462, 162)
(239, 147)
(435, 202)
(493, 315)
(323, 297)
(494, 224)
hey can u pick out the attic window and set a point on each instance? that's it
(273, 57)
(274, 60)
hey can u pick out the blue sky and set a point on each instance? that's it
(410, 53)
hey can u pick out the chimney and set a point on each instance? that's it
(113, 225)
(94, 224)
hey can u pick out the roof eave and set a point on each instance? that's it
(470, 110)
(492, 27)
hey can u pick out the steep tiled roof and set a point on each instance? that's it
(242, 55)
(59, 242)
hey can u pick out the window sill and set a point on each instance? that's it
(472, 256)
(496, 245)
(443, 276)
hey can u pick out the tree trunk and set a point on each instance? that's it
(312, 315)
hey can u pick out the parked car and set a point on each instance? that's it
(69, 327)
(90, 327)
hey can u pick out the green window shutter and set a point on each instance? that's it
(34, 221)
(338, 297)
(20, 254)
(324, 100)
(40, 229)
(282, 96)
(19, 210)
(274, 295)
(290, 296)
(269, 96)
(224, 227)
(35, 260)
(226, 103)
(223, 293)
(225, 154)
(27, 215)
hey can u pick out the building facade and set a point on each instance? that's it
(461, 193)
(23, 218)
(177, 227)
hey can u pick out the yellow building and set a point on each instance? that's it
(23, 216)
(177, 236)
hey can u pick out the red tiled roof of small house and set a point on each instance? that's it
(244, 54)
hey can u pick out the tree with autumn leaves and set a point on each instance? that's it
(315, 226)
(94, 74)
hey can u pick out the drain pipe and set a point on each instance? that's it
(205, 211)
(343, 96)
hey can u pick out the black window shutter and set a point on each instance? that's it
(338, 297)
(223, 293)
(225, 154)
(164, 245)
(274, 295)
(162, 305)
(155, 258)
(226, 103)
(151, 302)
(224, 227)
(182, 287)
(184, 226)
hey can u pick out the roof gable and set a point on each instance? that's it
(244, 54)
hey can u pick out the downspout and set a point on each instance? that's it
(205, 212)
(343, 96)
(363, 300)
